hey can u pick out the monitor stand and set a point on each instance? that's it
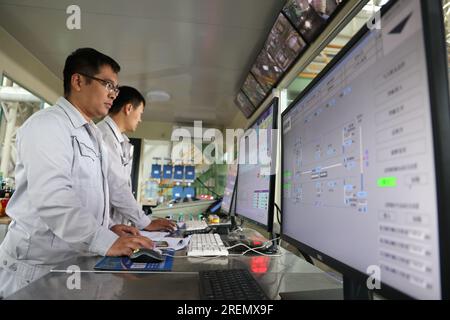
(353, 290)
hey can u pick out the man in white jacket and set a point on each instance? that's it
(60, 209)
(124, 116)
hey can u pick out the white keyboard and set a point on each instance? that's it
(192, 225)
(206, 245)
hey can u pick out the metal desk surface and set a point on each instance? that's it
(286, 273)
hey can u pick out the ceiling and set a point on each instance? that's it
(198, 51)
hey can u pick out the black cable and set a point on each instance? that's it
(218, 196)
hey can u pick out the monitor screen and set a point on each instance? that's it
(253, 90)
(284, 43)
(358, 159)
(256, 169)
(310, 16)
(229, 188)
(266, 71)
(244, 105)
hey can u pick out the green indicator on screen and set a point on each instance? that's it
(287, 174)
(287, 186)
(388, 182)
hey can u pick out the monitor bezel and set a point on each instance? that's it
(232, 194)
(269, 227)
(435, 52)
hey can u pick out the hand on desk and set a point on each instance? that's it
(124, 230)
(125, 245)
(161, 225)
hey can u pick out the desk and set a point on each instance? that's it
(275, 274)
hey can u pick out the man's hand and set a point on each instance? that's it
(161, 225)
(125, 245)
(124, 230)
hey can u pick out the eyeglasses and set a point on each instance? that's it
(107, 84)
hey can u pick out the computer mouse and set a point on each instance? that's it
(144, 255)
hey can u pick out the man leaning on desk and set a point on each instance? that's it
(125, 116)
(60, 209)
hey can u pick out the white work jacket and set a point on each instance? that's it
(60, 208)
(124, 206)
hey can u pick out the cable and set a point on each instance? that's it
(278, 213)
(256, 249)
(218, 196)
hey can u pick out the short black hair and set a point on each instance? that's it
(126, 95)
(87, 61)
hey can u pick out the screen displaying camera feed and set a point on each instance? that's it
(253, 90)
(284, 43)
(244, 105)
(266, 71)
(310, 16)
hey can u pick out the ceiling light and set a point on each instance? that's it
(158, 96)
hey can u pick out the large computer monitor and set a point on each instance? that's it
(365, 158)
(253, 90)
(244, 104)
(255, 186)
(228, 193)
(310, 16)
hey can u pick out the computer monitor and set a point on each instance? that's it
(244, 104)
(255, 185)
(310, 16)
(228, 194)
(284, 44)
(266, 70)
(365, 158)
(253, 90)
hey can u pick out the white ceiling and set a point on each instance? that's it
(199, 51)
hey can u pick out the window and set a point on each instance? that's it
(16, 106)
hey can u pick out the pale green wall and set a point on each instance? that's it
(24, 68)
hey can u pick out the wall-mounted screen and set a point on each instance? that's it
(244, 105)
(253, 90)
(284, 43)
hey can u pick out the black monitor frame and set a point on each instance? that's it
(269, 226)
(436, 55)
(233, 193)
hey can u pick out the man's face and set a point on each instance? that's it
(134, 118)
(97, 100)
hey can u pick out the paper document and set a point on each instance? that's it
(177, 243)
(154, 235)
